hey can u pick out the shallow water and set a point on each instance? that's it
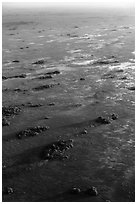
(90, 84)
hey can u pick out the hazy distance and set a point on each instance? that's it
(73, 4)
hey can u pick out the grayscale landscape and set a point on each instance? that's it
(68, 104)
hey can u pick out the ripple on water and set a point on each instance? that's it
(50, 41)
(7, 50)
(40, 44)
(8, 63)
(31, 43)
(74, 51)
(83, 63)
(132, 60)
(41, 36)
(68, 59)
(123, 65)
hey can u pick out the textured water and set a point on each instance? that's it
(95, 58)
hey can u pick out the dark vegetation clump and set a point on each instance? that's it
(46, 118)
(82, 79)
(84, 132)
(33, 105)
(51, 104)
(4, 78)
(46, 86)
(42, 61)
(114, 116)
(13, 28)
(108, 61)
(19, 76)
(126, 27)
(119, 70)
(48, 75)
(8, 190)
(5, 122)
(6, 89)
(16, 76)
(31, 132)
(10, 110)
(101, 120)
(56, 150)
(108, 76)
(92, 191)
(19, 90)
(75, 190)
(15, 90)
(17, 61)
(53, 72)
(72, 35)
(132, 88)
(45, 77)
(123, 78)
